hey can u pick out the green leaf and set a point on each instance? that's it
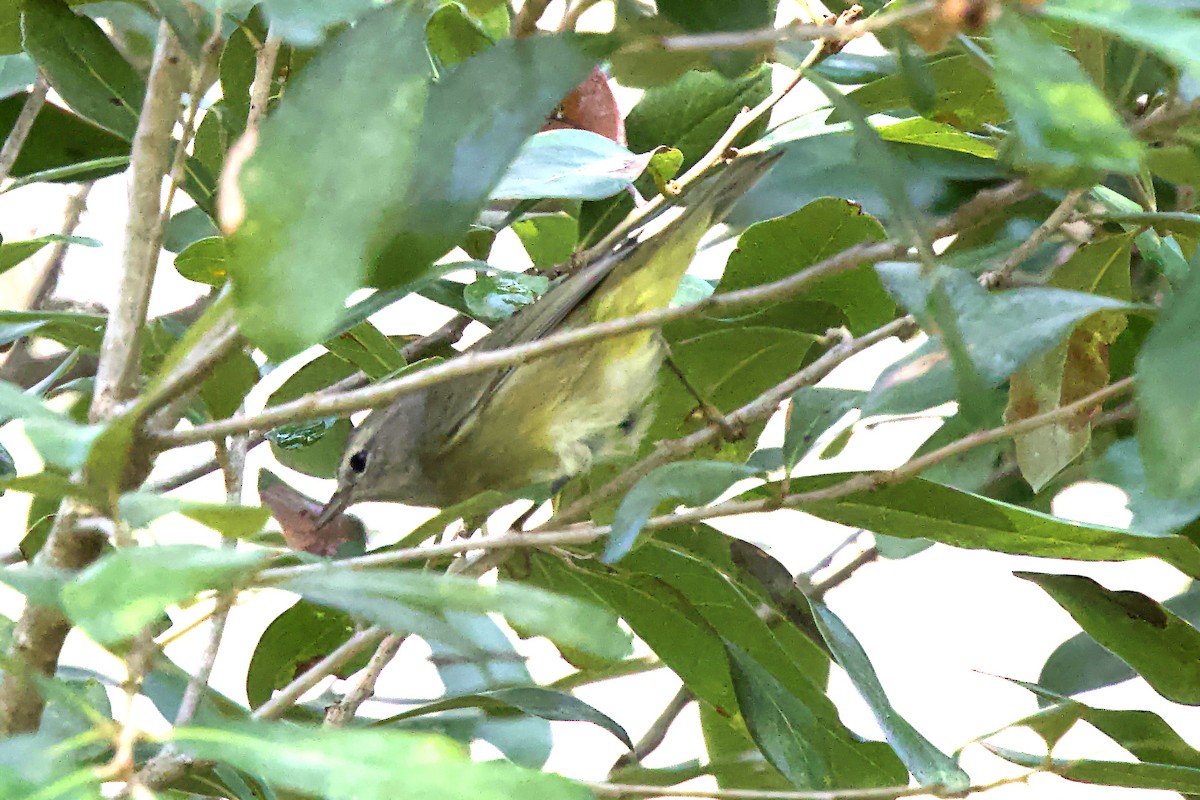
(964, 95)
(549, 239)
(797, 742)
(929, 133)
(139, 509)
(1123, 467)
(1162, 647)
(377, 595)
(691, 483)
(929, 766)
(571, 164)
(691, 113)
(17, 72)
(76, 331)
(338, 126)
(1001, 330)
(314, 447)
(41, 586)
(53, 485)
(83, 66)
(205, 260)
(532, 700)
(1109, 773)
(294, 639)
(1166, 388)
(491, 298)
(1066, 130)
(728, 368)
(367, 348)
(58, 439)
(188, 226)
(772, 250)
(460, 135)
(368, 764)
(811, 412)
(920, 509)
(13, 253)
(697, 16)
(454, 35)
(62, 146)
(1158, 27)
(128, 589)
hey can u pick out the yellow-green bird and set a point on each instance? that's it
(554, 416)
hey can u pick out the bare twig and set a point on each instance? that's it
(342, 712)
(264, 73)
(881, 793)
(764, 37)
(385, 392)
(999, 277)
(149, 162)
(657, 732)
(571, 17)
(844, 573)
(74, 542)
(582, 534)
(23, 124)
(527, 18)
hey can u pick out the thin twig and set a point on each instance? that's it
(999, 277)
(763, 37)
(264, 74)
(844, 573)
(582, 534)
(342, 712)
(527, 18)
(286, 697)
(757, 409)
(657, 732)
(470, 362)
(23, 124)
(881, 793)
(571, 17)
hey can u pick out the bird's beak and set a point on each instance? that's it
(336, 505)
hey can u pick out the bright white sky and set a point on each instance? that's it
(937, 626)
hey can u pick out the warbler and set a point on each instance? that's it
(555, 415)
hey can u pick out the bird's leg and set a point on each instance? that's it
(710, 412)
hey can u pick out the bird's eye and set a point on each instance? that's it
(358, 461)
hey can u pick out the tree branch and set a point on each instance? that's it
(582, 534)
(74, 542)
(23, 124)
(340, 714)
(657, 732)
(798, 31)
(1000, 276)
(150, 159)
(383, 393)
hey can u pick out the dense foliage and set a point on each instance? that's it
(1016, 181)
